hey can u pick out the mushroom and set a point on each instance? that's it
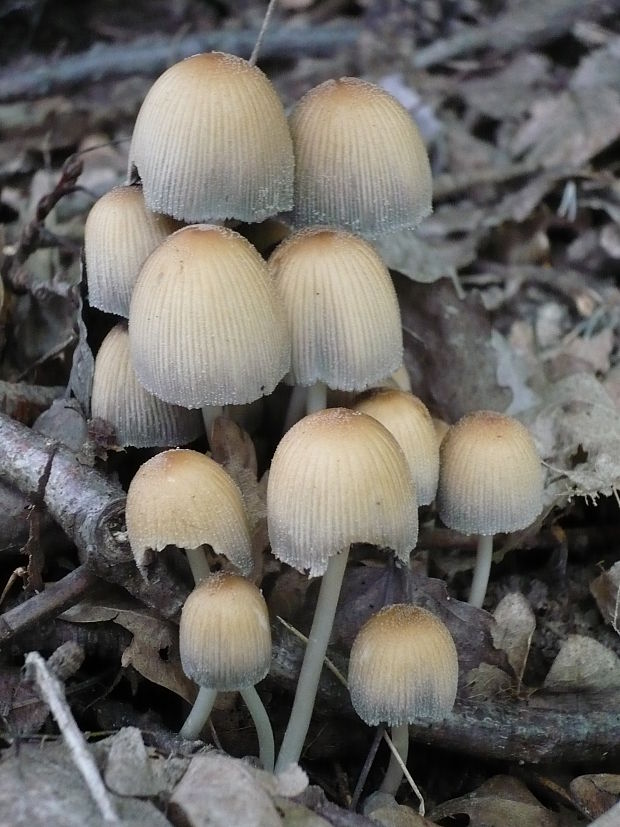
(360, 162)
(403, 666)
(185, 499)
(225, 646)
(337, 477)
(490, 481)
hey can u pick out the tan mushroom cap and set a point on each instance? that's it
(407, 418)
(183, 498)
(342, 309)
(339, 477)
(211, 142)
(490, 476)
(360, 161)
(403, 666)
(139, 419)
(225, 636)
(120, 233)
(206, 325)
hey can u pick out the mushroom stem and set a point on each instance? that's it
(263, 726)
(296, 406)
(199, 715)
(312, 665)
(394, 774)
(196, 557)
(209, 414)
(316, 399)
(484, 558)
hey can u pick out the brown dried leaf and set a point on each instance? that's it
(515, 625)
(486, 682)
(506, 94)
(128, 768)
(606, 591)
(414, 257)
(595, 794)
(583, 665)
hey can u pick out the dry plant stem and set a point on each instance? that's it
(261, 35)
(317, 398)
(484, 558)
(52, 693)
(199, 715)
(394, 774)
(312, 665)
(197, 559)
(262, 723)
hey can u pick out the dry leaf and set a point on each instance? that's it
(606, 591)
(515, 625)
(583, 664)
(595, 794)
(128, 767)
(486, 682)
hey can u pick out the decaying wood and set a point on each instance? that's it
(150, 56)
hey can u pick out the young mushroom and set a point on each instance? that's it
(403, 666)
(490, 481)
(225, 646)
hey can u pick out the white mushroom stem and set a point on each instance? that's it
(296, 406)
(394, 774)
(316, 399)
(199, 715)
(209, 414)
(484, 558)
(197, 559)
(263, 726)
(312, 665)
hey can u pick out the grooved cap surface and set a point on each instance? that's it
(119, 234)
(403, 666)
(225, 636)
(339, 477)
(206, 325)
(360, 161)
(138, 418)
(211, 142)
(342, 309)
(183, 498)
(490, 475)
(407, 418)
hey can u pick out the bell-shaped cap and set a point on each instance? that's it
(360, 162)
(119, 234)
(139, 419)
(183, 498)
(490, 475)
(403, 666)
(339, 477)
(407, 418)
(206, 325)
(211, 142)
(342, 309)
(225, 636)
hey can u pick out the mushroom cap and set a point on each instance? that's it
(403, 666)
(206, 325)
(139, 419)
(407, 418)
(342, 309)
(211, 142)
(183, 498)
(360, 161)
(225, 636)
(339, 477)
(490, 475)
(119, 234)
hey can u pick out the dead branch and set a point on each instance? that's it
(150, 56)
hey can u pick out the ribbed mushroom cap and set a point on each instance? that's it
(225, 637)
(490, 476)
(360, 162)
(138, 418)
(206, 325)
(185, 499)
(342, 309)
(407, 418)
(211, 142)
(119, 234)
(339, 477)
(403, 666)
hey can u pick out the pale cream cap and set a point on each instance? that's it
(407, 418)
(225, 636)
(183, 498)
(139, 419)
(339, 477)
(403, 666)
(211, 142)
(360, 162)
(342, 309)
(206, 325)
(490, 475)
(119, 234)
